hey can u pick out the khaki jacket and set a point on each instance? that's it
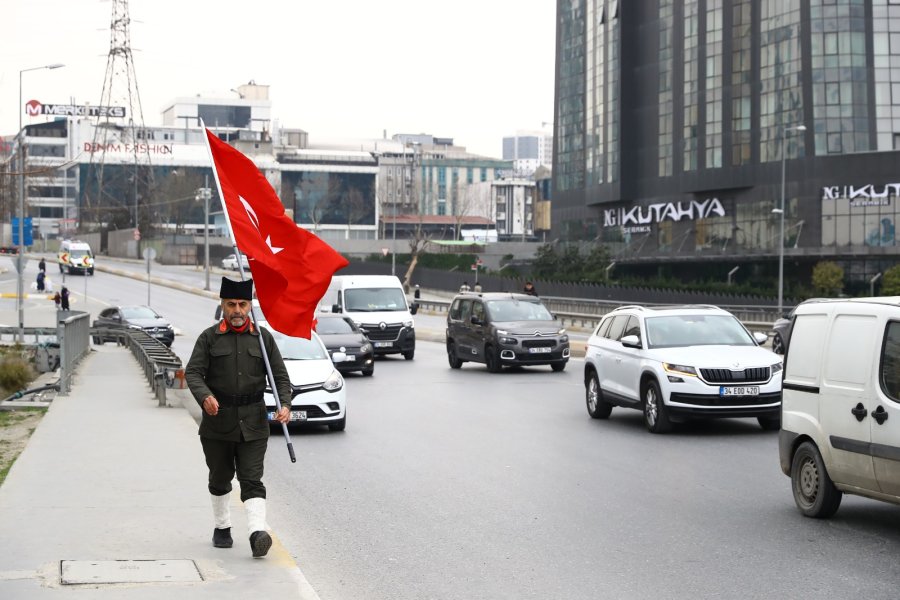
(229, 363)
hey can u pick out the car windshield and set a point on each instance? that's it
(517, 310)
(139, 312)
(328, 326)
(296, 348)
(368, 299)
(696, 330)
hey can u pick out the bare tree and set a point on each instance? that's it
(472, 199)
(418, 245)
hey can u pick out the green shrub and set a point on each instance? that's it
(828, 278)
(15, 374)
(890, 283)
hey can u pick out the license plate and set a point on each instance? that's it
(383, 344)
(749, 390)
(350, 358)
(296, 415)
(541, 350)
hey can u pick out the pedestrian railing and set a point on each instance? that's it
(161, 366)
(73, 333)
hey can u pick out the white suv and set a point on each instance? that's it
(681, 362)
(841, 421)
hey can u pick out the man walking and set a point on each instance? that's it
(227, 377)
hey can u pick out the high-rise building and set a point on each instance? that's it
(683, 128)
(528, 150)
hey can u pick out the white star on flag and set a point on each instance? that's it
(251, 214)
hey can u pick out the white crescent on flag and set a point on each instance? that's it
(254, 220)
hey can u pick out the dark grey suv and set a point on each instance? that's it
(501, 329)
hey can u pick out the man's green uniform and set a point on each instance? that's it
(229, 365)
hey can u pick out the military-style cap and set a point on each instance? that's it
(236, 290)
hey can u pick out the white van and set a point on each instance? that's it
(377, 304)
(75, 256)
(840, 429)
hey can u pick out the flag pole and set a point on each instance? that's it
(240, 265)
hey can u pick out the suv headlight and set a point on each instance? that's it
(365, 347)
(408, 324)
(334, 382)
(561, 331)
(777, 367)
(507, 340)
(674, 369)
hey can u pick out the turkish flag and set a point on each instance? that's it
(291, 267)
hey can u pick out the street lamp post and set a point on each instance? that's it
(205, 194)
(20, 266)
(781, 214)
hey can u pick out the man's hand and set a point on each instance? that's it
(211, 406)
(283, 415)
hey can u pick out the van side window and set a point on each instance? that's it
(478, 310)
(454, 310)
(890, 362)
(465, 309)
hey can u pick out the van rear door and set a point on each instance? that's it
(884, 416)
(849, 357)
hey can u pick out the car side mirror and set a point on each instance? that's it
(476, 320)
(631, 341)
(335, 308)
(760, 337)
(413, 308)
(338, 356)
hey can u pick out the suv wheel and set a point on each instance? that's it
(814, 492)
(593, 397)
(452, 358)
(777, 344)
(558, 366)
(408, 355)
(492, 359)
(655, 417)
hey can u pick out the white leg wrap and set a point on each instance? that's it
(221, 510)
(256, 514)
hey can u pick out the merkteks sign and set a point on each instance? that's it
(34, 108)
(654, 213)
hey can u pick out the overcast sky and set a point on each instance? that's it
(473, 70)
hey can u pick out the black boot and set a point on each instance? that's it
(260, 542)
(222, 538)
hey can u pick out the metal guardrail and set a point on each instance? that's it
(72, 334)
(592, 312)
(161, 366)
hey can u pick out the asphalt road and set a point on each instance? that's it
(469, 485)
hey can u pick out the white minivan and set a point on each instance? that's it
(840, 430)
(378, 305)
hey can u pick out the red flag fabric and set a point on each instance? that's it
(291, 267)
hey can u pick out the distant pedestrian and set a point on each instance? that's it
(529, 289)
(40, 281)
(57, 299)
(42, 266)
(417, 293)
(464, 287)
(64, 297)
(48, 285)
(477, 288)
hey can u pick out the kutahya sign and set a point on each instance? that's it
(638, 219)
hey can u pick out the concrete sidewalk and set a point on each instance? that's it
(109, 500)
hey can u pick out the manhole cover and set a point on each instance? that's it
(128, 571)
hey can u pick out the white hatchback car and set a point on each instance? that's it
(678, 363)
(319, 394)
(231, 262)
